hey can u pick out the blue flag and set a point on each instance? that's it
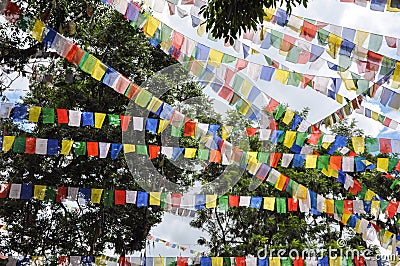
(142, 199)
(26, 191)
(20, 111)
(200, 200)
(115, 150)
(87, 119)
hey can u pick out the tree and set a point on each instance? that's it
(43, 227)
(228, 19)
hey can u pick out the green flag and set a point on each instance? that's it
(226, 58)
(294, 79)
(395, 182)
(263, 157)
(89, 64)
(141, 149)
(392, 163)
(237, 83)
(203, 154)
(170, 261)
(162, 200)
(280, 205)
(176, 131)
(322, 36)
(371, 144)
(293, 54)
(339, 207)
(80, 148)
(108, 197)
(114, 120)
(375, 42)
(276, 39)
(286, 261)
(383, 205)
(279, 111)
(48, 115)
(323, 162)
(50, 195)
(223, 203)
(19, 145)
(301, 138)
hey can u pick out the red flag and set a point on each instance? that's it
(78, 56)
(293, 204)
(61, 194)
(234, 201)
(226, 93)
(298, 262)
(182, 261)
(63, 260)
(125, 120)
(215, 156)
(271, 106)
(62, 115)
(4, 188)
(251, 132)
(308, 31)
(335, 162)
(176, 200)
(355, 188)
(189, 128)
(132, 91)
(348, 206)
(30, 147)
(12, 12)
(314, 138)
(119, 196)
(388, 176)
(385, 145)
(391, 209)
(153, 151)
(72, 53)
(92, 148)
(274, 158)
(241, 64)
(359, 261)
(240, 261)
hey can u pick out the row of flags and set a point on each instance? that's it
(314, 203)
(189, 128)
(378, 5)
(91, 65)
(227, 92)
(103, 260)
(216, 153)
(173, 245)
(368, 62)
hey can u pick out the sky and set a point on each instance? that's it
(175, 228)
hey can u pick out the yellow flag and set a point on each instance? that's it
(34, 113)
(244, 107)
(37, 31)
(289, 114)
(8, 142)
(375, 115)
(37, 260)
(252, 167)
(357, 228)
(95, 196)
(151, 26)
(301, 192)
(329, 206)
(396, 74)
(345, 218)
(369, 195)
(336, 261)
(201, 29)
(162, 125)
(375, 207)
(154, 104)
(251, 157)
(99, 70)
(217, 261)
(311, 161)
(358, 144)
(66, 146)
(190, 152)
(274, 261)
(334, 43)
(382, 164)
(129, 148)
(211, 201)
(215, 57)
(226, 131)
(155, 198)
(339, 98)
(246, 87)
(281, 75)
(100, 260)
(158, 261)
(99, 119)
(39, 192)
(360, 38)
(269, 14)
(269, 203)
(387, 236)
(290, 137)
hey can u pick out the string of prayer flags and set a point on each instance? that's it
(172, 245)
(223, 203)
